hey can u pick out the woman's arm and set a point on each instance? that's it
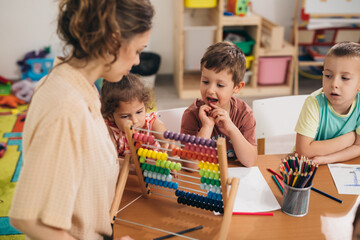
(36, 230)
(308, 147)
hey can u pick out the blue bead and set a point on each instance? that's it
(166, 134)
(177, 193)
(175, 186)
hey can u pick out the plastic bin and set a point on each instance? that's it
(246, 45)
(200, 3)
(198, 35)
(272, 70)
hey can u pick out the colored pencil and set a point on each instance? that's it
(278, 184)
(281, 183)
(273, 172)
(181, 232)
(326, 195)
(254, 213)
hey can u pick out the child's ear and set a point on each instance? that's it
(238, 87)
(110, 117)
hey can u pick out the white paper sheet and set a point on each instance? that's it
(346, 178)
(254, 194)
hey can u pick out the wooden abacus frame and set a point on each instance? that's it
(227, 196)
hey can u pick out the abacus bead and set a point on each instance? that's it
(154, 154)
(157, 163)
(167, 164)
(168, 178)
(158, 176)
(166, 134)
(211, 166)
(181, 137)
(202, 141)
(208, 142)
(166, 171)
(186, 137)
(192, 138)
(163, 177)
(147, 180)
(171, 135)
(145, 173)
(164, 156)
(212, 182)
(135, 136)
(206, 174)
(151, 139)
(144, 153)
(177, 193)
(138, 144)
(161, 170)
(213, 151)
(202, 186)
(149, 153)
(143, 166)
(153, 168)
(176, 136)
(197, 140)
(207, 181)
(148, 167)
(210, 194)
(139, 151)
(142, 159)
(202, 180)
(213, 143)
(201, 172)
(187, 146)
(216, 168)
(212, 175)
(178, 166)
(201, 164)
(175, 186)
(172, 165)
(162, 164)
(174, 152)
(218, 183)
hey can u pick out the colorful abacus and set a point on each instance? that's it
(154, 168)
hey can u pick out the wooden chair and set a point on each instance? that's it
(276, 118)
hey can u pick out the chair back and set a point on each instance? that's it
(276, 117)
(172, 118)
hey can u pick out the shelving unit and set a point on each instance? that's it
(187, 82)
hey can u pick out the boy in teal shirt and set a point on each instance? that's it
(328, 126)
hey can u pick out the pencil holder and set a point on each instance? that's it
(296, 201)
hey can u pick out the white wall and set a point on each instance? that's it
(27, 25)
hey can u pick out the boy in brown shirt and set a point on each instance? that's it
(217, 113)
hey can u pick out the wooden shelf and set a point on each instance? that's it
(187, 84)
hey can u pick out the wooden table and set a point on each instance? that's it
(167, 214)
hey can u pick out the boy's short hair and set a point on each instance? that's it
(225, 56)
(344, 49)
(127, 89)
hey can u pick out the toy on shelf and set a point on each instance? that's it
(35, 66)
(208, 191)
(238, 7)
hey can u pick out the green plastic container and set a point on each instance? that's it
(247, 45)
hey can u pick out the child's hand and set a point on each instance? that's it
(319, 160)
(223, 120)
(205, 116)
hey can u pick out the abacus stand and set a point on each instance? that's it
(228, 196)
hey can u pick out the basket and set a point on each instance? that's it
(246, 45)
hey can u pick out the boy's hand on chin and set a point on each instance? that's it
(205, 116)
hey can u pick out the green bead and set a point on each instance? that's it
(157, 169)
(143, 166)
(148, 167)
(162, 171)
(162, 164)
(218, 183)
(207, 181)
(142, 159)
(158, 163)
(172, 165)
(212, 175)
(167, 171)
(206, 174)
(153, 168)
(203, 179)
(167, 164)
(201, 172)
(212, 182)
(217, 176)
(178, 166)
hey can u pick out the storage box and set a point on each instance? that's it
(245, 45)
(272, 70)
(249, 59)
(198, 35)
(200, 3)
(272, 35)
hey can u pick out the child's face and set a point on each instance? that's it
(341, 81)
(133, 111)
(217, 88)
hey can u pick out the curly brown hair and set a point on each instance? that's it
(225, 56)
(96, 28)
(128, 89)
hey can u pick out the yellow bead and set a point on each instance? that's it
(139, 152)
(145, 152)
(154, 154)
(149, 153)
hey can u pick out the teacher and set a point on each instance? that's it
(68, 179)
